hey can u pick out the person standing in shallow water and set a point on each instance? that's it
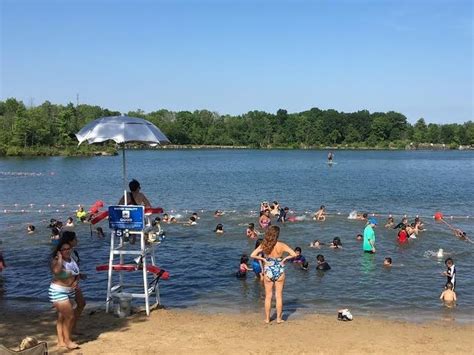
(369, 236)
(273, 269)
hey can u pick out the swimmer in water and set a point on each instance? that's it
(218, 213)
(300, 259)
(359, 237)
(166, 218)
(251, 232)
(336, 243)
(31, 229)
(387, 262)
(448, 296)
(390, 222)
(264, 221)
(320, 215)
(322, 264)
(316, 244)
(243, 268)
(219, 229)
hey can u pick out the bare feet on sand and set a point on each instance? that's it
(71, 345)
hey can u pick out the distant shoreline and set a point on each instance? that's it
(111, 151)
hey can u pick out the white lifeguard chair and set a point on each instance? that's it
(128, 237)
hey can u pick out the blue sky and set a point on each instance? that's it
(413, 57)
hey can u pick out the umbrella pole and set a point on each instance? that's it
(124, 172)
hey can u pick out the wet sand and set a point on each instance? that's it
(189, 332)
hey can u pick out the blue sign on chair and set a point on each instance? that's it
(126, 217)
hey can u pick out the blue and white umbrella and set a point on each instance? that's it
(122, 129)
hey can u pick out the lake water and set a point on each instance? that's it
(203, 265)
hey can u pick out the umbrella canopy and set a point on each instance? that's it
(122, 129)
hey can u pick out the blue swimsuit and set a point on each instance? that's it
(273, 268)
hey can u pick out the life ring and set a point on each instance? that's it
(165, 275)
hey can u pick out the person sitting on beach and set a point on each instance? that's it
(322, 264)
(448, 296)
(387, 262)
(359, 237)
(30, 229)
(300, 259)
(336, 243)
(390, 222)
(243, 268)
(282, 217)
(274, 269)
(257, 265)
(320, 215)
(218, 213)
(402, 235)
(450, 273)
(219, 229)
(316, 244)
(135, 197)
(251, 232)
(264, 221)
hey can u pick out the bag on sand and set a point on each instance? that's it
(344, 314)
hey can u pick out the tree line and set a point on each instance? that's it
(49, 129)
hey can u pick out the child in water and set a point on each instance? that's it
(448, 296)
(300, 259)
(316, 244)
(322, 264)
(251, 232)
(450, 273)
(390, 222)
(31, 229)
(336, 243)
(257, 264)
(219, 229)
(387, 262)
(243, 268)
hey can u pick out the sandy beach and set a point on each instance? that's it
(189, 332)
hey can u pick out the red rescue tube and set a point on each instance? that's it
(153, 210)
(165, 275)
(99, 217)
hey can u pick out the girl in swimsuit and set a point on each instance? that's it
(264, 221)
(273, 269)
(62, 291)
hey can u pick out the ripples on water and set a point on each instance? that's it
(203, 265)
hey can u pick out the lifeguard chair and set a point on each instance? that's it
(129, 237)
